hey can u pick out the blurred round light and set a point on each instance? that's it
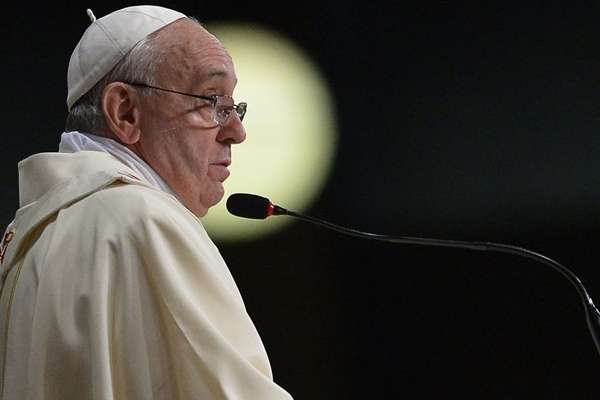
(290, 126)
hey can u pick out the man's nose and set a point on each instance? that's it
(233, 131)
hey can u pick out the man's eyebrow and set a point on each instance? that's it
(212, 74)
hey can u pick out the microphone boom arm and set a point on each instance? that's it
(592, 315)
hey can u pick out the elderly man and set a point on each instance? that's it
(111, 288)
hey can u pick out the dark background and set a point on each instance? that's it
(461, 122)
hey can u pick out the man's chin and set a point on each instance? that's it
(214, 199)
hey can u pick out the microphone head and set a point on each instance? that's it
(249, 206)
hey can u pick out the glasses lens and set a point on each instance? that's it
(225, 106)
(223, 109)
(241, 110)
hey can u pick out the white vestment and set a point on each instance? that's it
(112, 289)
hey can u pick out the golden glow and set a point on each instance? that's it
(290, 125)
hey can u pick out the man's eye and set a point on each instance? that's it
(224, 111)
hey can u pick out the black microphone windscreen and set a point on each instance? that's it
(248, 205)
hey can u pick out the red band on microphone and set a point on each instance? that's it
(270, 209)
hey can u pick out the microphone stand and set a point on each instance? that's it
(592, 315)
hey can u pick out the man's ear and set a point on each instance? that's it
(121, 107)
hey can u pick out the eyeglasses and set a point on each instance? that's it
(222, 104)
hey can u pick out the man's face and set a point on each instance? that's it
(189, 152)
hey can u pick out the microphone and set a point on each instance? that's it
(256, 207)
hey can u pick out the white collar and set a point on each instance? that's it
(74, 141)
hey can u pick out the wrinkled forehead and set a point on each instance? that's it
(211, 63)
(193, 54)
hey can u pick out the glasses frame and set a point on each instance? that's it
(240, 108)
